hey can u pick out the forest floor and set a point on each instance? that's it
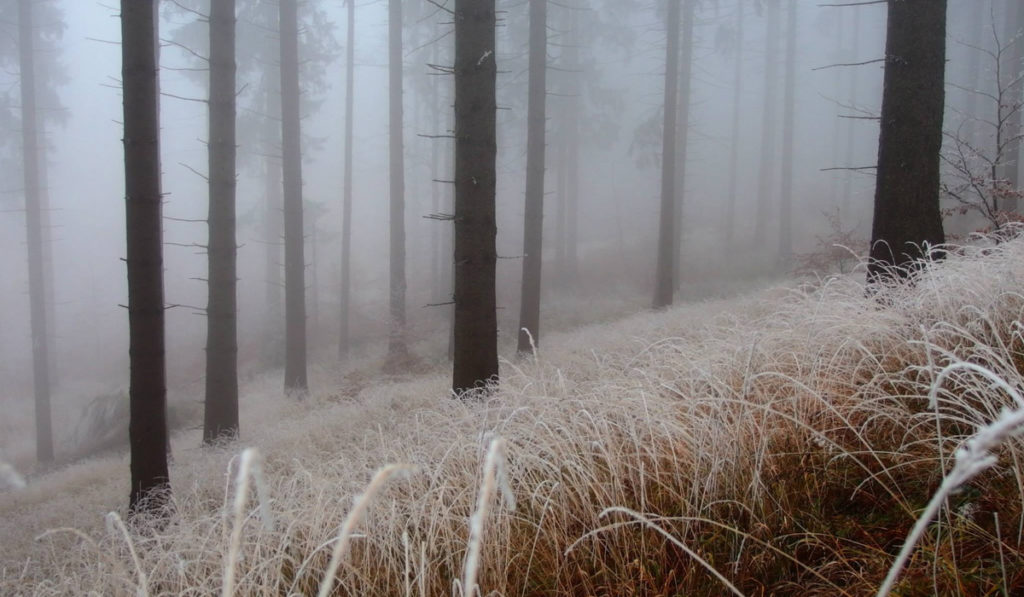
(784, 442)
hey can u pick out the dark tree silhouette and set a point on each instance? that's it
(476, 326)
(220, 418)
(396, 337)
(295, 379)
(906, 215)
(34, 234)
(147, 393)
(533, 229)
(346, 202)
(666, 224)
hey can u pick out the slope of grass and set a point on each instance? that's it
(782, 443)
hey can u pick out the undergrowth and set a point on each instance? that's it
(781, 444)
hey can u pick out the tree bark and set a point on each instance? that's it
(344, 339)
(34, 234)
(788, 126)
(683, 136)
(734, 146)
(664, 286)
(906, 214)
(533, 228)
(150, 487)
(396, 159)
(295, 376)
(220, 419)
(766, 176)
(476, 326)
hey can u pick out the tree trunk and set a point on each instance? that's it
(220, 420)
(437, 285)
(766, 176)
(344, 339)
(683, 136)
(851, 125)
(476, 325)
(734, 146)
(572, 148)
(147, 429)
(34, 235)
(273, 234)
(977, 30)
(837, 123)
(295, 379)
(907, 218)
(396, 338)
(49, 274)
(533, 228)
(788, 126)
(561, 196)
(664, 286)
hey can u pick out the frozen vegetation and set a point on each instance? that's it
(780, 443)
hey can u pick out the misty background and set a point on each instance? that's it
(606, 70)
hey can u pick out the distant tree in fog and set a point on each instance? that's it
(906, 214)
(396, 257)
(150, 482)
(683, 134)
(476, 327)
(258, 114)
(769, 114)
(788, 132)
(295, 372)
(220, 420)
(533, 228)
(734, 143)
(34, 233)
(664, 274)
(344, 339)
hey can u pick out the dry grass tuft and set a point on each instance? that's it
(783, 444)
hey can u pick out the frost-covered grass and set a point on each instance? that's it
(782, 443)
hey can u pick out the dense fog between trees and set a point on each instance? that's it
(604, 108)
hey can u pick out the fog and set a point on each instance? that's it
(615, 92)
